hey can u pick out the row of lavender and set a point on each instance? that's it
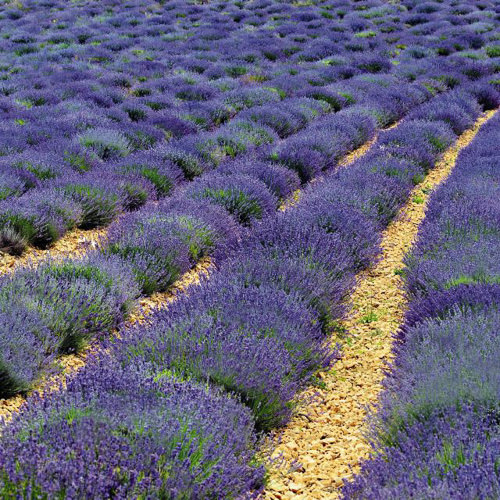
(153, 89)
(437, 434)
(56, 308)
(316, 148)
(172, 407)
(87, 84)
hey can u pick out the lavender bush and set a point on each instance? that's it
(161, 437)
(26, 344)
(75, 300)
(261, 351)
(246, 198)
(449, 454)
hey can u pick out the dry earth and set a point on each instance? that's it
(72, 244)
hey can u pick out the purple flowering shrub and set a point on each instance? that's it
(313, 284)
(440, 365)
(106, 144)
(159, 246)
(99, 200)
(247, 199)
(25, 347)
(222, 234)
(162, 437)
(39, 218)
(460, 235)
(280, 180)
(455, 108)
(230, 141)
(444, 303)
(465, 262)
(322, 144)
(75, 300)
(10, 185)
(278, 117)
(450, 454)
(163, 175)
(357, 232)
(420, 147)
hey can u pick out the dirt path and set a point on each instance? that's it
(72, 244)
(326, 439)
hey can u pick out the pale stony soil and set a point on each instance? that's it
(290, 201)
(72, 244)
(357, 153)
(325, 442)
(71, 363)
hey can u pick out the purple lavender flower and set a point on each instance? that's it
(245, 198)
(156, 437)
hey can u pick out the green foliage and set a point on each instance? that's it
(493, 50)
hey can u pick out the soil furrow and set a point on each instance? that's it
(72, 244)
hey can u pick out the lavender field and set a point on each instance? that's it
(273, 144)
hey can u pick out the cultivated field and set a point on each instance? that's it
(249, 249)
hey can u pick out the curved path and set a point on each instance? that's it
(74, 243)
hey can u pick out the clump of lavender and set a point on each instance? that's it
(246, 198)
(156, 246)
(156, 437)
(280, 180)
(75, 300)
(263, 355)
(163, 174)
(97, 196)
(26, 345)
(39, 217)
(447, 454)
(105, 143)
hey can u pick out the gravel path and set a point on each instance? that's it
(72, 244)
(325, 442)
